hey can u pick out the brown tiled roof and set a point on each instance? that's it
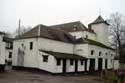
(99, 20)
(47, 32)
(70, 27)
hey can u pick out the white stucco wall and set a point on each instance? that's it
(81, 67)
(2, 50)
(33, 58)
(57, 46)
(102, 32)
(47, 66)
(85, 50)
(30, 55)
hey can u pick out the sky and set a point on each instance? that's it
(52, 12)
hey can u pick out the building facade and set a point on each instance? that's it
(6, 45)
(65, 48)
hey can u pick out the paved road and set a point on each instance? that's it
(28, 77)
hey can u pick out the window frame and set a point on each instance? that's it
(58, 62)
(31, 45)
(45, 58)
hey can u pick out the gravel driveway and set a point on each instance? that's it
(29, 77)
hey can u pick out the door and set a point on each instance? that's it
(64, 65)
(86, 65)
(106, 63)
(92, 65)
(100, 64)
(76, 65)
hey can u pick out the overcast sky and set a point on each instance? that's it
(51, 12)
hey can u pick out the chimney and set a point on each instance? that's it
(89, 27)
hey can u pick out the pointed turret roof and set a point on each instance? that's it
(99, 20)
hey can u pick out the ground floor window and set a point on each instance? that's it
(45, 58)
(71, 62)
(81, 62)
(58, 62)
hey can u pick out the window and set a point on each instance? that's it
(45, 58)
(86, 36)
(10, 54)
(31, 45)
(81, 62)
(111, 55)
(22, 45)
(106, 54)
(58, 62)
(100, 53)
(75, 27)
(71, 62)
(92, 52)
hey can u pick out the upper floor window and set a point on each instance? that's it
(92, 52)
(10, 54)
(86, 36)
(111, 55)
(71, 62)
(100, 53)
(45, 58)
(58, 62)
(31, 45)
(106, 54)
(75, 27)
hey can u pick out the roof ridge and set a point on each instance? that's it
(65, 23)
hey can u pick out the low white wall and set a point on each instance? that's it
(47, 66)
(70, 68)
(81, 67)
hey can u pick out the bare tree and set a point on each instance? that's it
(117, 27)
(21, 31)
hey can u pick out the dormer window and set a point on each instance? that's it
(75, 27)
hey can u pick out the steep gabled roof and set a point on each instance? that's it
(47, 32)
(69, 27)
(99, 20)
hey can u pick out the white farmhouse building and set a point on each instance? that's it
(5, 50)
(64, 48)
